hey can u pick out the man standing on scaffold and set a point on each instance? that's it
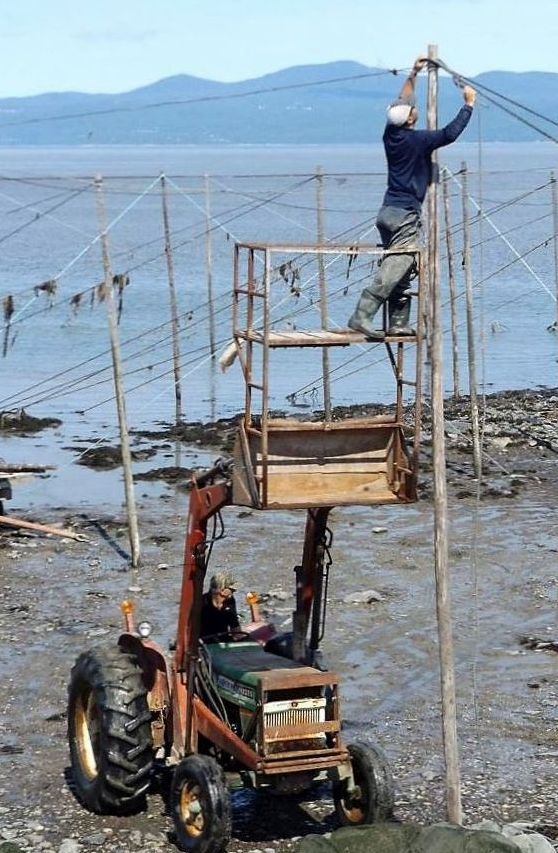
(398, 221)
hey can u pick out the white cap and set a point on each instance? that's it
(398, 113)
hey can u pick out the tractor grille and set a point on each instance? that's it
(293, 713)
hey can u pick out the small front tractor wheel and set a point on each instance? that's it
(200, 805)
(109, 731)
(371, 798)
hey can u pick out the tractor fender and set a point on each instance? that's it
(156, 672)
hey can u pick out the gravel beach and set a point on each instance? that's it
(59, 597)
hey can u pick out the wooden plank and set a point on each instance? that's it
(319, 446)
(301, 761)
(299, 731)
(10, 521)
(329, 248)
(24, 469)
(373, 422)
(300, 489)
(287, 757)
(299, 676)
(309, 467)
(315, 338)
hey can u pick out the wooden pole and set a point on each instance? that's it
(209, 266)
(443, 607)
(554, 187)
(469, 308)
(452, 288)
(133, 531)
(323, 291)
(175, 326)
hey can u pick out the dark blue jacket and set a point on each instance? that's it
(408, 156)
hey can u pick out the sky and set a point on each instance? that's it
(117, 45)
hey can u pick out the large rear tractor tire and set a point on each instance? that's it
(371, 799)
(200, 805)
(109, 731)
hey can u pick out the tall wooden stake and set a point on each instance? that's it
(175, 326)
(477, 459)
(323, 291)
(133, 531)
(554, 186)
(443, 608)
(452, 288)
(209, 267)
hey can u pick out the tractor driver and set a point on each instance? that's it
(219, 619)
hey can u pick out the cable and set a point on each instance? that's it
(199, 100)
(459, 78)
(485, 88)
(507, 242)
(42, 213)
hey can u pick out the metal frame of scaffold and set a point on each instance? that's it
(262, 430)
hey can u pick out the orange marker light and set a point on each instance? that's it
(252, 598)
(127, 607)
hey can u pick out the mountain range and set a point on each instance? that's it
(345, 111)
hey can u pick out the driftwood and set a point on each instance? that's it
(42, 528)
(7, 469)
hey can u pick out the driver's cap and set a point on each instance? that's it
(223, 580)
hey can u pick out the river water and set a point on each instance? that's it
(57, 360)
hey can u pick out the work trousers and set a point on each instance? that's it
(398, 227)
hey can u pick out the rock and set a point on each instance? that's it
(501, 442)
(97, 839)
(69, 845)
(162, 566)
(429, 775)
(279, 594)
(528, 842)
(10, 847)
(367, 596)
(20, 421)
(170, 474)
(135, 838)
(379, 530)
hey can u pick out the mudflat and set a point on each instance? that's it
(60, 597)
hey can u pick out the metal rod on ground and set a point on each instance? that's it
(443, 608)
(469, 308)
(117, 372)
(554, 187)
(323, 290)
(209, 266)
(175, 325)
(452, 287)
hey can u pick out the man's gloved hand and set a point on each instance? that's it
(419, 64)
(469, 96)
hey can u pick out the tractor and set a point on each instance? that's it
(257, 711)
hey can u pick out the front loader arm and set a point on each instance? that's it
(309, 588)
(210, 493)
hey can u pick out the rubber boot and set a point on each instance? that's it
(399, 310)
(361, 320)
